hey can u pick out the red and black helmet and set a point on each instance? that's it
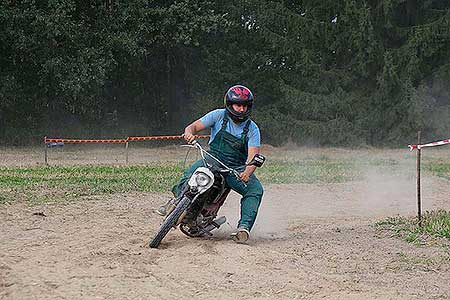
(238, 94)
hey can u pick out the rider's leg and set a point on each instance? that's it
(251, 199)
(176, 190)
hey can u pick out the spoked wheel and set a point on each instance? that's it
(169, 222)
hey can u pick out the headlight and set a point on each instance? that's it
(202, 179)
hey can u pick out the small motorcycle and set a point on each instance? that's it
(195, 210)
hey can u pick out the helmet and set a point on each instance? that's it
(238, 94)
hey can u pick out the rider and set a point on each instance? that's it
(235, 139)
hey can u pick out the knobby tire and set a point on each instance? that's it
(169, 222)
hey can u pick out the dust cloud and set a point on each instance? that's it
(384, 188)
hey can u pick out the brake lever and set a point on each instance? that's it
(239, 178)
(235, 173)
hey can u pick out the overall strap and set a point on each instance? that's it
(246, 128)
(225, 121)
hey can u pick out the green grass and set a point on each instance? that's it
(60, 183)
(323, 170)
(440, 169)
(43, 184)
(435, 224)
(56, 183)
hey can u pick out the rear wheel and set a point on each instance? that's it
(169, 222)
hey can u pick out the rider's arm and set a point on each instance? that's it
(249, 169)
(192, 129)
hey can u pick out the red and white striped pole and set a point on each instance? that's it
(432, 144)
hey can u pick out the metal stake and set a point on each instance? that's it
(419, 200)
(126, 152)
(45, 151)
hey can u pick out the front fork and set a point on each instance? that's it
(183, 215)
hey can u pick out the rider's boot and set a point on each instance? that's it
(241, 235)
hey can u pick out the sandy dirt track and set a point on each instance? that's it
(309, 242)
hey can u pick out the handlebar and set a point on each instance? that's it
(196, 144)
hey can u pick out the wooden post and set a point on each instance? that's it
(45, 151)
(419, 200)
(126, 152)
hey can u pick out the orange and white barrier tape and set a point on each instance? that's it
(118, 141)
(162, 137)
(432, 144)
(85, 141)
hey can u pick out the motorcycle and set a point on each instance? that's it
(195, 210)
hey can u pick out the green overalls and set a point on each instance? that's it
(233, 152)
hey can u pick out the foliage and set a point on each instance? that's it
(327, 72)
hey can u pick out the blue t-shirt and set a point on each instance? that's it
(214, 120)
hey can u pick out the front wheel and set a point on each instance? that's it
(169, 222)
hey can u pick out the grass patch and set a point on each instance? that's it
(440, 169)
(39, 184)
(44, 184)
(435, 225)
(323, 170)
(60, 183)
(3, 199)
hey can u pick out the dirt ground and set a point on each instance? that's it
(310, 241)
